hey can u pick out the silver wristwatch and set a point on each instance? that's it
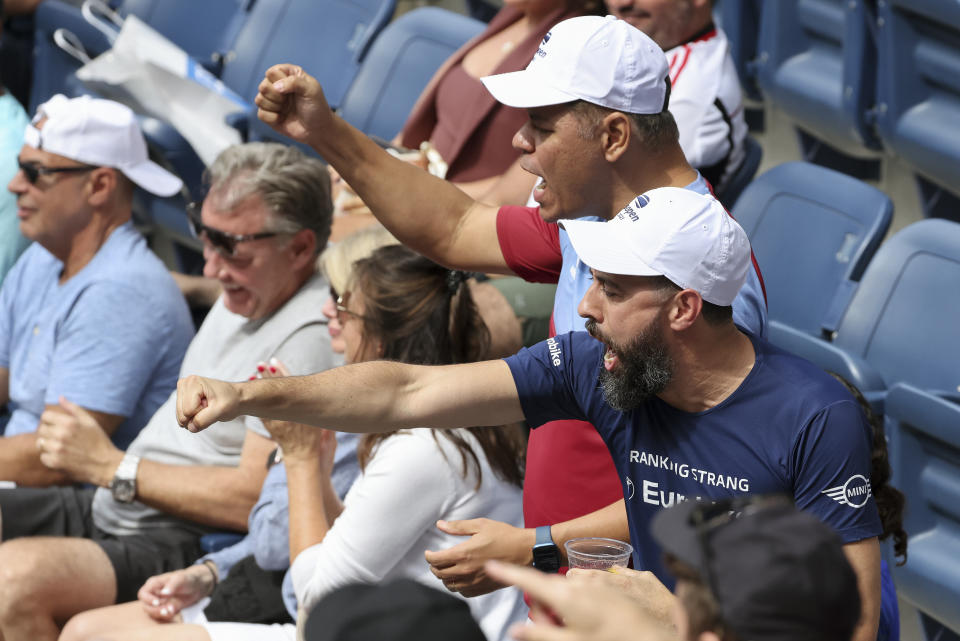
(124, 483)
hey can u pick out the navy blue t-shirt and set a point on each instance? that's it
(788, 428)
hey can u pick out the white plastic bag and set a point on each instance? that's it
(155, 77)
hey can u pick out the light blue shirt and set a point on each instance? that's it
(110, 339)
(13, 120)
(268, 537)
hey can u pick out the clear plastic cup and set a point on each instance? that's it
(594, 553)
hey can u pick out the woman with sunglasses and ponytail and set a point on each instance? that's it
(397, 306)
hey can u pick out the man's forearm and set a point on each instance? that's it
(220, 497)
(422, 211)
(20, 463)
(610, 522)
(383, 396)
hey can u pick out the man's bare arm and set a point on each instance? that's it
(20, 455)
(864, 556)
(426, 213)
(217, 496)
(461, 568)
(378, 396)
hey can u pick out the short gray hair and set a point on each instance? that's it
(656, 131)
(294, 186)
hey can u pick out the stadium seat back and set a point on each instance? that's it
(924, 435)
(205, 30)
(400, 64)
(903, 318)
(740, 20)
(919, 95)
(325, 37)
(812, 230)
(817, 62)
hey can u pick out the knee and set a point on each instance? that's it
(17, 577)
(78, 628)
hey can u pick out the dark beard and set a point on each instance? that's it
(644, 369)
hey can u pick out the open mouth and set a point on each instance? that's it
(539, 189)
(610, 360)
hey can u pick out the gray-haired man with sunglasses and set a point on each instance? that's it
(88, 313)
(262, 224)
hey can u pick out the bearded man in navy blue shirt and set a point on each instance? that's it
(689, 405)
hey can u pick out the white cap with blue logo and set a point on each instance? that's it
(687, 237)
(603, 61)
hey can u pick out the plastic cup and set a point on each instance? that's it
(594, 553)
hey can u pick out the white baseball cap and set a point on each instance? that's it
(98, 132)
(605, 61)
(672, 232)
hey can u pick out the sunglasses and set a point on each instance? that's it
(342, 312)
(33, 171)
(223, 242)
(710, 517)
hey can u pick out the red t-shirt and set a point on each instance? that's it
(569, 470)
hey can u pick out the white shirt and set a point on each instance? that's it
(389, 520)
(707, 103)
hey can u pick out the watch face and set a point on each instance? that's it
(546, 558)
(123, 490)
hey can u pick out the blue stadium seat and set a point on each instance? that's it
(919, 96)
(817, 63)
(901, 321)
(813, 231)
(54, 68)
(205, 30)
(400, 64)
(924, 433)
(744, 174)
(328, 38)
(740, 20)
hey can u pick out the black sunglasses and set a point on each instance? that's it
(707, 518)
(223, 242)
(33, 171)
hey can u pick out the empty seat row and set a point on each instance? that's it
(860, 77)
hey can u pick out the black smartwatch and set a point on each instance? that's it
(546, 554)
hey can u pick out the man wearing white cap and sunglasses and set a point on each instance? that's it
(689, 405)
(598, 133)
(88, 314)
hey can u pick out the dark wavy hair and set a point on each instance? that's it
(424, 314)
(890, 500)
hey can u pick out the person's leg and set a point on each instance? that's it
(46, 580)
(168, 632)
(95, 624)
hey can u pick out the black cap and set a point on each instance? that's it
(778, 573)
(401, 610)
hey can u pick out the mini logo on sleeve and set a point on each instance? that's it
(855, 492)
(554, 348)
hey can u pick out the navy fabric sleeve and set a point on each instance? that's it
(557, 379)
(831, 461)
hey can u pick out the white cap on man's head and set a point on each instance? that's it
(672, 232)
(97, 132)
(604, 61)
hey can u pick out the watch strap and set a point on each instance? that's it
(127, 470)
(543, 536)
